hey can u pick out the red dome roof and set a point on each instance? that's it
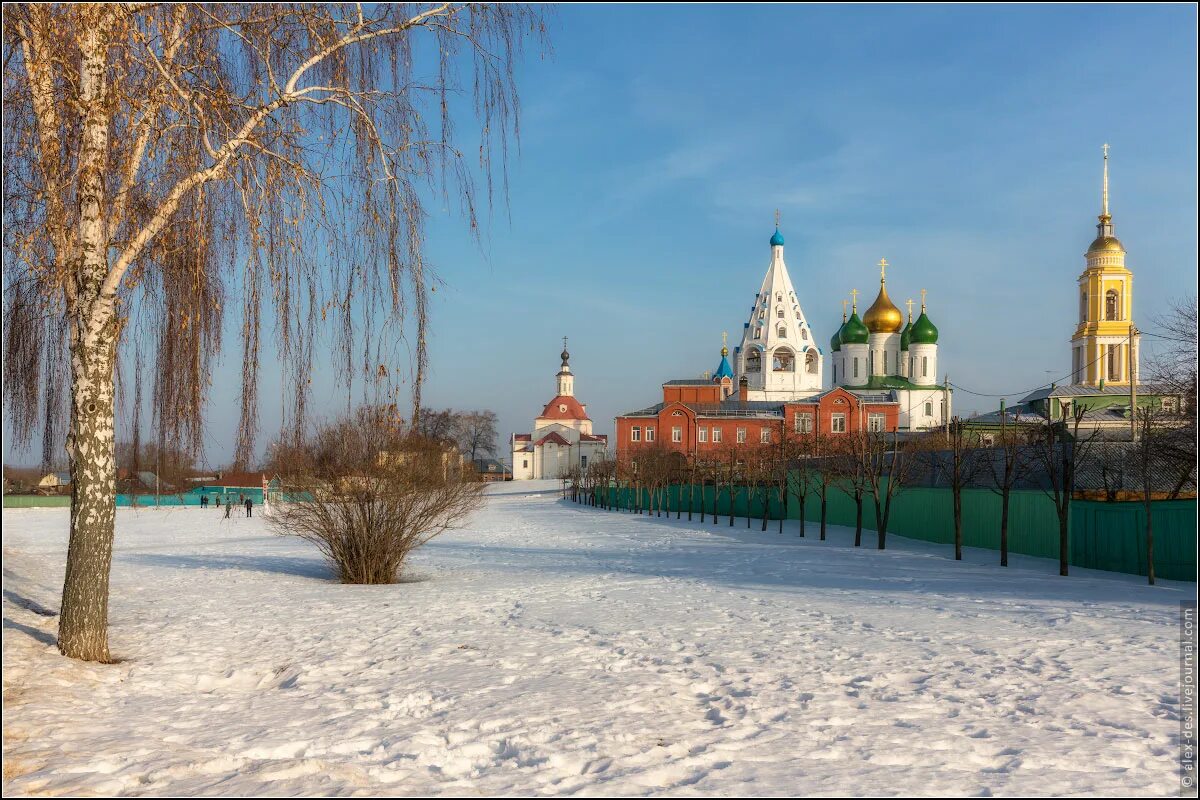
(563, 407)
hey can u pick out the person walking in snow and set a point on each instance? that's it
(249, 507)
(228, 508)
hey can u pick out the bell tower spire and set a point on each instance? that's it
(1105, 228)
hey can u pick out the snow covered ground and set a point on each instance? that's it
(553, 649)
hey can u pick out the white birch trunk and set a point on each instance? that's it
(83, 625)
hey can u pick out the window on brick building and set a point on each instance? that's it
(702, 434)
(677, 434)
(716, 435)
(741, 435)
(837, 423)
(649, 434)
(764, 435)
(804, 423)
(875, 422)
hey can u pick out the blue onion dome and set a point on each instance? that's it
(906, 336)
(777, 239)
(854, 331)
(923, 331)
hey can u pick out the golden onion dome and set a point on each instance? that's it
(1106, 244)
(883, 316)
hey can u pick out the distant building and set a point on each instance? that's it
(695, 418)
(562, 435)
(491, 469)
(55, 480)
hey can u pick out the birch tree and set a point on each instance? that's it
(163, 159)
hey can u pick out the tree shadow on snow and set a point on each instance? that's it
(280, 565)
(29, 630)
(28, 604)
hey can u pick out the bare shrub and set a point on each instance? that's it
(368, 493)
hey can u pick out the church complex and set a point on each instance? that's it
(883, 372)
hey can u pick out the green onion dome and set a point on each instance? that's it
(923, 331)
(906, 336)
(854, 331)
(835, 344)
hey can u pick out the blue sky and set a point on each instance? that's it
(962, 144)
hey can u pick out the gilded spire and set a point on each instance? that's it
(883, 265)
(922, 303)
(854, 301)
(1104, 215)
(909, 303)
(724, 343)
(844, 304)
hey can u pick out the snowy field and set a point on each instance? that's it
(552, 649)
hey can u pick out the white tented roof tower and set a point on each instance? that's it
(779, 356)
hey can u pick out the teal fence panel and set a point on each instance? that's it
(1112, 536)
(1105, 536)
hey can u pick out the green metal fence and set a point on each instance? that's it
(1105, 536)
(36, 501)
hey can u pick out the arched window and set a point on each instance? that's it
(782, 332)
(810, 362)
(804, 334)
(754, 361)
(924, 366)
(779, 312)
(1083, 306)
(783, 360)
(1112, 304)
(758, 332)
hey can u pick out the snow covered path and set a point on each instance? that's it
(554, 649)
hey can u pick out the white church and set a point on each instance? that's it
(562, 435)
(779, 358)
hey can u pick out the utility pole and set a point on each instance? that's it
(946, 405)
(1132, 384)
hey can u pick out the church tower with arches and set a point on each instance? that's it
(1100, 348)
(778, 357)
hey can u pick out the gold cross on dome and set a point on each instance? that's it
(883, 265)
(777, 211)
(844, 304)
(564, 343)
(922, 301)
(724, 338)
(910, 305)
(854, 300)
(1106, 150)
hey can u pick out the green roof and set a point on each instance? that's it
(923, 331)
(906, 336)
(854, 332)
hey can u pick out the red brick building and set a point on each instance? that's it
(695, 416)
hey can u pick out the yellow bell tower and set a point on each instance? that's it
(1101, 347)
